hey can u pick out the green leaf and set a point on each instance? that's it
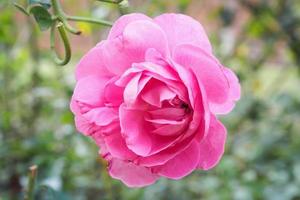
(42, 17)
(45, 3)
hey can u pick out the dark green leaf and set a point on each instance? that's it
(45, 3)
(42, 17)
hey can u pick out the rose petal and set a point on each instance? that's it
(117, 146)
(113, 94)
(130, 174)
(235, 88)
(156, 92)
(164, 121)
(177, 113)
(92, 64)
(165, 74)
(168, 153)
(134, 87)
(165, 71)
(197, 97)
(90, 90)
(182, 164)
(114, 142)
(131, 90)
(134, 130)
(117, 57)
(127, 76)
(182, 29)
(84, 126)
(130, 47)
(138, 133)
(212, 146)
(172, 129)
(123, 21)
(101, 116)
(233, 96)
(142, 83)
(74, 107)
(153, 56)
(206, 68)
(142, 35)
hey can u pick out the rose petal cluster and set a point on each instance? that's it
(148, 96)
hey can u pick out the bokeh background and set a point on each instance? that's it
(258, 39)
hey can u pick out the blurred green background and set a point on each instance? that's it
(258, 39)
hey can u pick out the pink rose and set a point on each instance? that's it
(149, 95)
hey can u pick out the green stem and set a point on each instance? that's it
(89, 20)
(32, 176)
(68, 27)
(64, 37)
(57, 9)
(21, 8)
(61, 16)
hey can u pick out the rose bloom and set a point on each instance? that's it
(149, 95)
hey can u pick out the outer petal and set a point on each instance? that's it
(181, 165)
(90, 90)
(212, 147)
(114, 142)
(101, 116)
(88, 95)
(142, 35)
(117, 147)
(182, 29)
(121, 52)
(206, 68)
(235, 88)
(116, 57)
(84, 126)
(234, 94)
(123, 21)
(130, 174)
(92, 64)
